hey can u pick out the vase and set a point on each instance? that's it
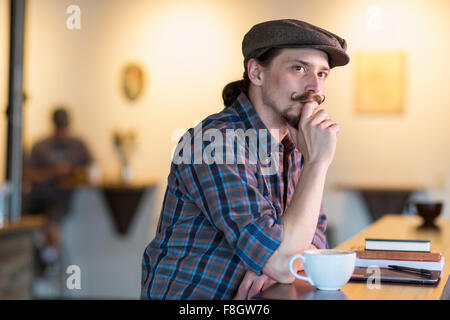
(126, 174)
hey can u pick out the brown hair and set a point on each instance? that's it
(232, 90)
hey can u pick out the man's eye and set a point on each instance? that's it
(323, 74)
(299, 68)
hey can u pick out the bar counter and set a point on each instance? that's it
(390, 227)
(17, 257)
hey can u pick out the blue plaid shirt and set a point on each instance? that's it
(219, 220)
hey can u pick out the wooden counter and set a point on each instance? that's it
(17, 257)
(402, 227)
(123, 201)
(392, 227)
(26, 223)
(381, 199)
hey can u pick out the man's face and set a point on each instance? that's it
(294, 77)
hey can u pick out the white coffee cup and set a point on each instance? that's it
(326, 269)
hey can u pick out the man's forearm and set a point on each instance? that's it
(299, 221)
(40, 175)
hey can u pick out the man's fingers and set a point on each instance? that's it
(260, 285)
(244, 286)
(256, 287)
(326, 123)
(334, 127)
(243, 290)
(307, 111)
(319, 117)
(252, 285)
(268, 283)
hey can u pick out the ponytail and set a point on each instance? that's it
(232, 90)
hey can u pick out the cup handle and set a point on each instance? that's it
(295, 274)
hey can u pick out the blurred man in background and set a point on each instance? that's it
(55, 166)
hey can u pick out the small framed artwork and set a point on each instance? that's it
(380, 81)
(133, 81)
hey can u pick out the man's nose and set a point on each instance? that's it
(313, 84)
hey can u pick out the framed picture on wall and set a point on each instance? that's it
(133, 81)
(380, 81)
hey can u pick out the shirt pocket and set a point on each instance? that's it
(264, 186)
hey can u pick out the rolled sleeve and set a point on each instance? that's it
(260, 244)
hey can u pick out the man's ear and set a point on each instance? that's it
(255, 72)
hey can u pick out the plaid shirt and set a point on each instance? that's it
(220, 220)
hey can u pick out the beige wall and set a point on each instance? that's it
(191, 49)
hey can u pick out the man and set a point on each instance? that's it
(227, 230)
(56, 165)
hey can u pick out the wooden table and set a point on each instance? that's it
(24, 224)
(17, 257)
(123, 201)
(383, 198)
(392, 227)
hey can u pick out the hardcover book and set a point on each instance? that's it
(398, 245)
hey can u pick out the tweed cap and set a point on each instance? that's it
(290, 33)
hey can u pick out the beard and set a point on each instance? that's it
(286, 115)
(292, 120)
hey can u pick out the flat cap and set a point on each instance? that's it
(290, 33)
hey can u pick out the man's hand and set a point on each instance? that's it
(63, 169)
(57, 171)
(252, 284)
(316, 135)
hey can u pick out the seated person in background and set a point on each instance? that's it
(56, 165)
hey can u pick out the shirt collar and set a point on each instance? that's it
(247, 112)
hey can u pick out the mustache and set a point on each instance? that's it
(309, 96)
(305, 97)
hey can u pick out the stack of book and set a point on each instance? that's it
(404, 253)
